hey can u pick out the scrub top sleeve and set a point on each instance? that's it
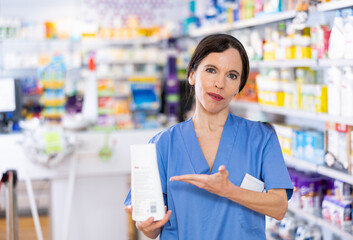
(127, 201)
(274, 172)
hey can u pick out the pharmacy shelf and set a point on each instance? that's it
(284, 63)
(333, 5)
(335, 62)
(217, 28)
(335, 174)
(266, 19)
(89, 43)
(291, 112)
(130, 61)
(19, 41)
(320, 222)
(300, 164)
(120, 42)
(322, 170)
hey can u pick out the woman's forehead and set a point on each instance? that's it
(229, 59)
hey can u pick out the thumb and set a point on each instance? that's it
(222, 170)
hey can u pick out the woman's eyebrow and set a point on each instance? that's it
(210, 65)
(235, 71)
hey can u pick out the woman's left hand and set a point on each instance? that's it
(217, 183)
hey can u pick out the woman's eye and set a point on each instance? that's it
(210, 70)
(233, 76)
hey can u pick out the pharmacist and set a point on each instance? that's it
(204, 160)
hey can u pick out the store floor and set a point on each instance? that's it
(26, 228)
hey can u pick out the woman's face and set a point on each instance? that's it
(217, 80)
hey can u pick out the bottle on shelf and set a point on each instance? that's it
(336, 42)
(347, 93)
(90, 100)
(348, 36)
(334, 91)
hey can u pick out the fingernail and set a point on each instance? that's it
(171, 179)
(151, 219)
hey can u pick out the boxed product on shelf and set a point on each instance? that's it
(308, 146)
(308, 232)
(313, 147)
(320, 40)
(309, 190)
(351, 158)
(144, 103)
(310, 193)
(270, 91)
(295, 199)
(288, 227)
(343, 191)
(290, 95)
(285, 135)
(338, 146)
(249, 93)
(338, 212)
(53, 76)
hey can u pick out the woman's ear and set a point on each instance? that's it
(191, 78)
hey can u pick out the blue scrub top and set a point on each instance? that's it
(245, 147)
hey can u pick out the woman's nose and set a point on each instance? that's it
(219, 83)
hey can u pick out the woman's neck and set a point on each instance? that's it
(209, 121)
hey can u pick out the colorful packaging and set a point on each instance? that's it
(313, 148)
(343, 191)
(337, 146)
(309, 190)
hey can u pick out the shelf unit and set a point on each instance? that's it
(334, 5)
(243, 24)
(291, 112)
(302, 63)
(265, 19)
(335, 62)
(325, 171)
(320, 222)
(284, 63)
(130, 61)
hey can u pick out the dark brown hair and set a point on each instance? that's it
(219, 43)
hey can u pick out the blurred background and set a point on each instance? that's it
(82, 80)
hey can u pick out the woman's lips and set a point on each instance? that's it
(215, 96)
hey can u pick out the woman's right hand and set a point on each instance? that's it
(149, 227)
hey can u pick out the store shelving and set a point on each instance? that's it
(302, 63)
(284, 63)
(199, 32)
(335, 62)
(333, 5)
(120, 42)
(131, 61)
(320, 222)
(243, 24)
(300, 164)
(266, 19)
(325, 171)
(85, 42)
(291, 112)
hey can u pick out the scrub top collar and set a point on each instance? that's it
(224, 150)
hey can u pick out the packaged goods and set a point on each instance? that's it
(337, 146)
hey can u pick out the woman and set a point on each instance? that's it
(203, 160)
